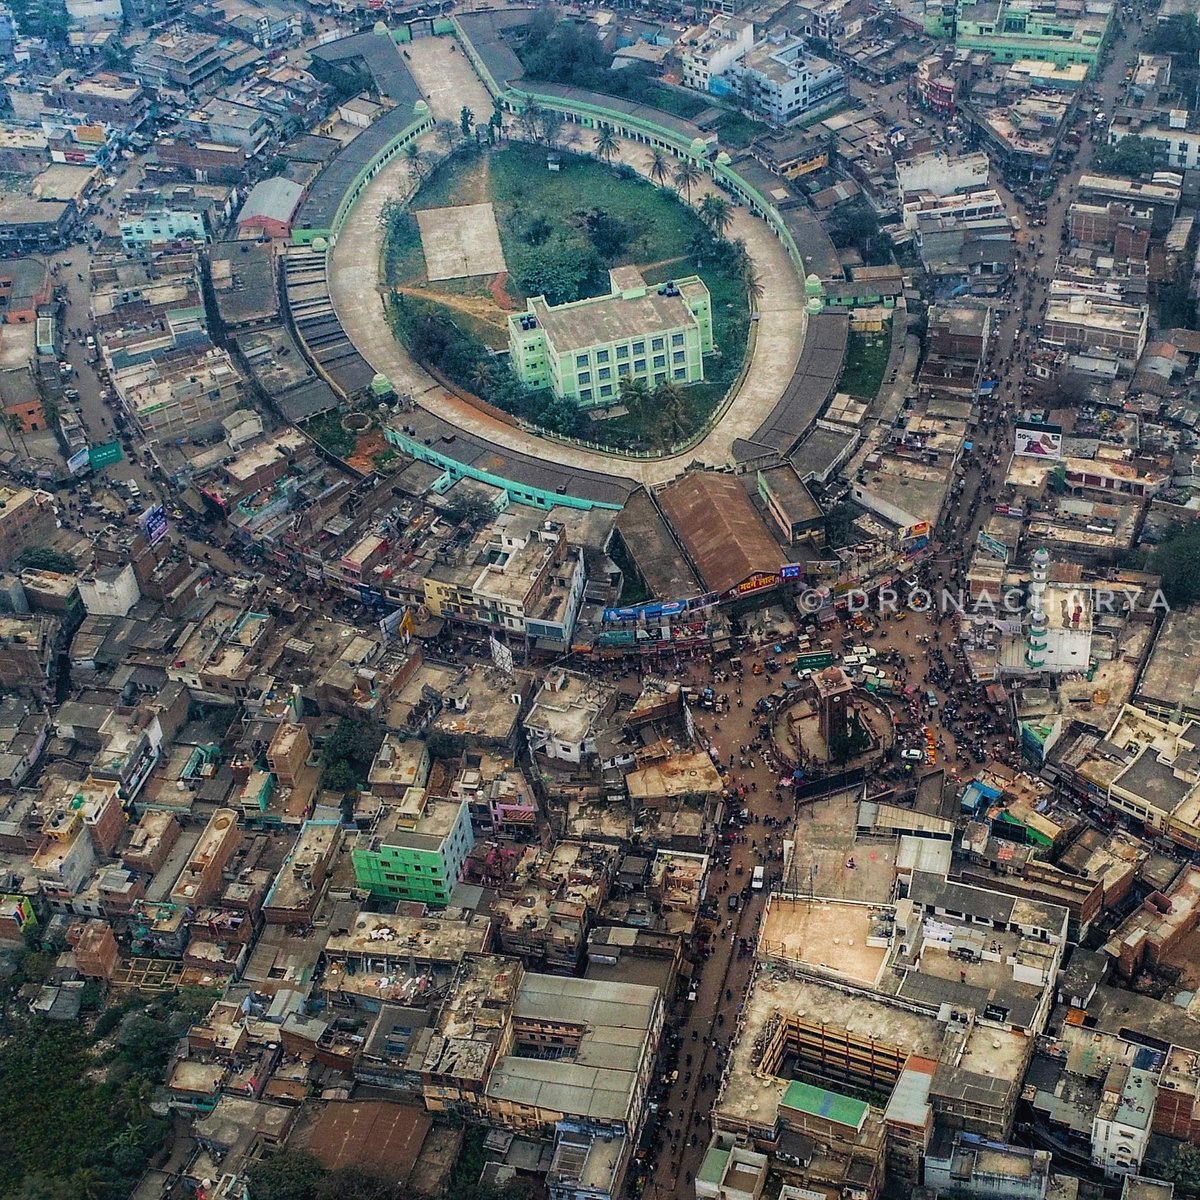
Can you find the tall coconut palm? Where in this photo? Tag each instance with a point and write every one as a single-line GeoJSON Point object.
{"type": "Point", "coordinates": [686, 176]}
{"type": "Point", "coordinates": [717, 213]}
{"type": "Point", "coordinates": [636, 396]}
{"type": "Point", "coordinates": [699, 246]}
{"type": "Point", "coordinates": [660, 168]}
{"type": "Point", "coordinates": [607, 144]}
{"type": "Point", "coordinates": [737, 256]}
{"type": "Point", "coordinates": [752, 287]}
{"type": "Point", "coordinates": [671, 406]}
{"type": "Point", "coordinates": [480, 377]}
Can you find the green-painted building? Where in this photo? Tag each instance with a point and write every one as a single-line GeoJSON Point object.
{"type": "Point", "coordinates": [415, 856]}
{"type": "Point", "coordinates": [1011, 30]}
{"type": "Point", "coordinates": [582, 351]}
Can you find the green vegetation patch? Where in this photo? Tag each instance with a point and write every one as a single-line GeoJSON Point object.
{"type": "Point", "coordinates": [75, 1104]}
{"type": "Point", "coordinates": [866, 362]}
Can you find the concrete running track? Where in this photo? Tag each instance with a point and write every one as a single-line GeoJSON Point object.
{"type": "Point", "coordinates": [448, 81]}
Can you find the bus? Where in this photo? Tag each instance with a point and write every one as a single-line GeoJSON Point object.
{"type": "Point", "coordinates": [756, 881]}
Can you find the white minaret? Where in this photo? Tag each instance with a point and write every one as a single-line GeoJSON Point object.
{"type": "Point", "coordinates": [1035, 637]}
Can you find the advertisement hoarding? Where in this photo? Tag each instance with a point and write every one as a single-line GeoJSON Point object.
{"type": "Point", "coordinates": [105, 455]}
{"type": "Point", "coordinates": [502, 655]}
{"type": "Point", "coordinates": [1038, 441]}
{"type": "Point", "coordinates": [992, 546]}
{"type": "Point", "coordinates": [756, 583]}
{"type": "Point", "coordinates": [154, 524]}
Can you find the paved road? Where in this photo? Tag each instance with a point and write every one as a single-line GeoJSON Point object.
{"type": "Point", "coordinates": [72, 269]}
{"type": "Point", "coordinates": [447, 79]}
{"type": "Point", "coordinates": [676, 1165]}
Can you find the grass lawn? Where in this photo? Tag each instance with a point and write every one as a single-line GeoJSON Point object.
{"type": "Point", "coordinates": [660, 224]}
{"type": "Point", "coordinates": [676, 102]}
{"type": "Point", "coordinates": [866, 361]}
{"type": "Point", "coordinates": [736, 130]}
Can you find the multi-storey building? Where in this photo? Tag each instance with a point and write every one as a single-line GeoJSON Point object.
{"type": "Point", "coordinates": [416, 851]}
{"type": "Point", "coordinates": [786, 82]}
{"type": "Point", "coordinates": [1056, 32]}
{"type": "Point", "coordinates": [716, 49]}
{"type": "Point", "coordinates": [190, 400]}
{"type": "Point", "coordinates": [1173, 132]}
{"type": "Point", "coordinates": [116, 100]}
{"type": "Point", "coordinates": [581, 351]}
{"type": "Point", "coordinates": [161, 227]}
{"type": "Point", "coordinates": [552, 1056]}
{"type": "Point", "coordinates": [1083, 322]}
{"type": "Point", "coordinates": [181, 62]}
{"type": "Point", "coordinates": [27, 517]}
{"type": "Point", "coordinates": [231, 124]}
{"type": "Point", "coordinates": [200, 878]}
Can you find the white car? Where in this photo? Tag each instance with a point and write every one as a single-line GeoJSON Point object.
{"type": "Point", "coordinates": [913, 755]}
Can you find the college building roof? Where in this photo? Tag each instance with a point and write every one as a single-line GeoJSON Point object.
{"type": "Point", "coordinates": [720, 530]}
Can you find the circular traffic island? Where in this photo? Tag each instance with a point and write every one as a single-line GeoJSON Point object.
{"type": "Point", "coordinates": [826, 724]}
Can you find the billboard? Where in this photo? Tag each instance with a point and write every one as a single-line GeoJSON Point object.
{"type": "Point", "coordinates": [1038, 441]}
{"type": "Point", "coordinates": [643, 612]}
{"type": "Point", "coordinates": [502, 655]}
{"type": "Point", "coordinates": [391, 622]}
{"type": "Point", "coordinates": [154, 524]}
{"type": "Point", "coordinates": [791, 570]}
{"type": "Point", "coordinates": [814, 661]}
{"type": "Point", "coordinates": [657, 609]}
{"type": "Point", "coordinates": [105, 455]}
{"type": "Point", "coordinates": [80, 461]}
{"type": "Point", "coordinates": [992, 546]}
{"type": "Point", "coordinates": [919, 530]}
{"type": "Point", "coordinates": [756, 583]}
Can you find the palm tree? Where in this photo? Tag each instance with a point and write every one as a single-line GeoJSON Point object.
{"type": "Point", "coordinates": [752, 286]}
{"type": "Point", "coordinates": [636, 396]}
{"type": "Point", "coordinates": [660, 168]}
{"type": "Point", "coordinates": [717, 213]}
{"type": "Point", "coordinates": [87, 1183]}
{"type": "Point", "coordinates": [737, 256]}
{"type": "Point", "coordinates": [530, 120]}
{"type": "Point", "coordinates": [672, 411]}
{"type": "Point", "coordinates": [480, 378]}
{"type": "Point", "coordinates": [686, 176]}
{"type": "Point", "coordinates": [698, 246]}
{"type": "Point", "coordinates": [606, 144]}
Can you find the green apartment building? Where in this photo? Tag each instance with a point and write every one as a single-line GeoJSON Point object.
{"type": "Point", "coordinates": [581, 351]}
{"type": "Point", "coordinates": [1052, 31]}
{"type": "Point", "coordinates": [418, 856]}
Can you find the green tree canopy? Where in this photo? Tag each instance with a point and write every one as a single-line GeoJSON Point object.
{"type": "Point", "coordinates": [561, 51]}
{"type": "Point", "coordinates": [1177, 560]}
{"type": "Point", "coordinates": [1133, 156]}
{"type": "Point", "coordinates": [292, 1175]}
{"type": "Point", "coordinates": [297, 1175]}
{"type": "Point", "coordinates": [853, 225]}
{"type": "Point", "coordinates": [43, 558]}
{"type": "Point", "coordinates": [561, 269]}
{"type": "Point", "coordinates": [1184, 1170]}
{"type": "Point", "coordinates": [1179, 34]}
